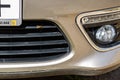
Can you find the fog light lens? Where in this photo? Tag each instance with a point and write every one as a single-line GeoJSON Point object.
{"type": "Point", "coordinates": [105, 34]}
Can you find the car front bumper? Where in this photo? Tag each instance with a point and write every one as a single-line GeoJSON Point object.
{"type": "Point", "coordinates": [83, 58]}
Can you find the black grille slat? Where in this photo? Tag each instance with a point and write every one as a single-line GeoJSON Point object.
{"type": "Point", "coordinates": [32, 52]}
{"type": "Point", "coordinates": [33, 39]}
{"type": "Point", "coordinates": [45, 27]}
{"type": "Point", "coordinates": [34, 47]}
{"type": "Point", "coordinates": [37, 43]}
{"type": "Point", "coordinates": [28, 29]}
{"type": "Point", "coordinates": [33, 35]}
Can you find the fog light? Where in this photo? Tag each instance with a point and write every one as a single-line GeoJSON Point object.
{"type": "Point", "coordinates": [105, 34]}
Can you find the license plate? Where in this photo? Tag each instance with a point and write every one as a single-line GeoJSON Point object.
{"type": "Point", "coordinates": [10, 12]}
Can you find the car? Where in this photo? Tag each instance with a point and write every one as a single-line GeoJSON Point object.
{"type": "Point", "coordinates": [62, 37]}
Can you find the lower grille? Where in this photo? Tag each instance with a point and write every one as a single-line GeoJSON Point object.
{"type": "Point", "coordinates": [33, 40]}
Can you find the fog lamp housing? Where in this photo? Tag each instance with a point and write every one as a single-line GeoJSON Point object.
{"type": "Point", "coordinates": [105, 34]}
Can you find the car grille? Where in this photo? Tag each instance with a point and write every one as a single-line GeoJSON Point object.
{"type": "Point", "coordinates": [33, 40]}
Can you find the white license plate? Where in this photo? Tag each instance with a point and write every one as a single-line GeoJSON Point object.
{"type": "Point", "coordinates": [10, 12]}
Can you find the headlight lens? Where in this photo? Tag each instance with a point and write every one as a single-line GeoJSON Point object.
{"type": "Point", "coordinates": [105, 34]}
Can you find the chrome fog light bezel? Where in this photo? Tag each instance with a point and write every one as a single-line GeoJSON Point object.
{"type": "Point", "coordinates": [105, 20]}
